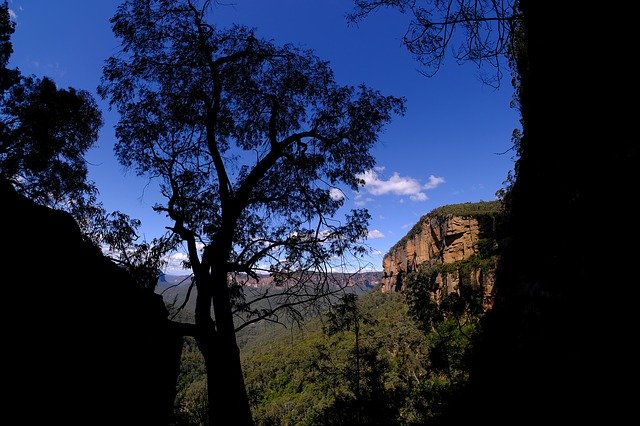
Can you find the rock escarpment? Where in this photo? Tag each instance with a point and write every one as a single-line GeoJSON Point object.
{"type": "Point", "coordinates": [459, 236]}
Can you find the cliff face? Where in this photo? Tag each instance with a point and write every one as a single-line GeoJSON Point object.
{"type": "Point", "coordinates": [445, 236]}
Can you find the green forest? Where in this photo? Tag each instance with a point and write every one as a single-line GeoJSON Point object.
{"type": "Point", "coordinates": [308, 374]}
{"type": "Point", "coordinates": [252, 145]}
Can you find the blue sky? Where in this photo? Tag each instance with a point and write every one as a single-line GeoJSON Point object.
{"type": "Point", "coordinates": [444, 150]}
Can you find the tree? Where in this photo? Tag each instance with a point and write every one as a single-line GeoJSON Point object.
{"type": "Point", "coordinates": [346, 316]}
{"type": "Point", "coordinates": [250, 142]}
{"type": "Point", "coordinates": [487, 27]}
{"type": "Point", "coordinates": [44, 134]}
{"type": "Point", "coordinates": [7, 27]}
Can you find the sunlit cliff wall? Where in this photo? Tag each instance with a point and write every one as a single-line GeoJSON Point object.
{"type": "Point", "coordinates": [447, 235]}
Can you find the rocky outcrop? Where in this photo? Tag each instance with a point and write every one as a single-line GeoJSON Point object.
{"type": "Point", "coordinates": [83, 343]}
{"type": "Point", "coordinates": [445, 236]}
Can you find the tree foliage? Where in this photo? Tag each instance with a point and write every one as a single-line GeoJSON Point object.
{"type": "Point", "coordinates": [44, 134]}
{"type": "Point", "coordinates": [241, 130]}
{"type": "Point", "coordinates": [7, 27]}
{"type": "Point", "coordinates": [143, 260]}
{"type": "Point", "coordinates": [406, 376]}
{"type": "Point", "coordinates": [247, 139]}
{"type": "Point", "coordinates": [479, 31]}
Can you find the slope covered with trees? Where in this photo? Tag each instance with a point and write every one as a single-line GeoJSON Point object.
{"type": "Point", "coordinates": [366, 361]}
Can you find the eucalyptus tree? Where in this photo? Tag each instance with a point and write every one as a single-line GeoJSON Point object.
{"type": "Point", "coordinates": [250, 142]}
{"type": "Point", "coordinates": [483, 32]}
{"type": "Point", "coordinates": [44, 134]}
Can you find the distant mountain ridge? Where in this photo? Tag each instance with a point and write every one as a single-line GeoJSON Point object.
{"type": "Point", "coordinates": [174, 288]}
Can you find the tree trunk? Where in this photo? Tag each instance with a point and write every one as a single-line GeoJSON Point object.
{"type": "Point", "coordinates": [228, 401]}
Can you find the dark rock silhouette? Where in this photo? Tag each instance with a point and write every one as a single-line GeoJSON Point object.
{"type": "Point", "coordinates": [558, 344]}
{"type": "Point", "coordinates": [74, 353]}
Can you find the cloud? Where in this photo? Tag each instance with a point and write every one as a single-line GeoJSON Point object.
{"type": "Point", "coordinates": [360, 200]}
{"type": "Point", "coordinates": [179, 257]}
{"type": "Point", "coordinates": [13, 15]}
{"type": "Point", "coordinates": [434, 182]}
{"type": "Point", "coordinates": [174, 263]}
{"type": "Point", "coordinates": [336, 194]}
{"type": "Point", "coordinates": [375, 234]}
{"type": "Point", "coordinates": [396, 184]}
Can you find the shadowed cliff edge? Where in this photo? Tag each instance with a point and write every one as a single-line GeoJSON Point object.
{"type": "Point", "coordinates": [83, 344]}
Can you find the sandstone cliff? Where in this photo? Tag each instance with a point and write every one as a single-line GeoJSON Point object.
{"type": "Point", "coordinates": [447, 236]}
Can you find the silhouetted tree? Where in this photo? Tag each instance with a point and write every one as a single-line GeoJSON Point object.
{"type": "Point", "coordinates": [7, 27]}
{"type": "Point", "coordinates": [347, 316]}
{"type": "Point", "coordinates": [144, 260]}
{"type": "Point", "coordinates": [480, 31]}
{"type": "Point", "coordinates": [248, 140]}
{"type": "Point", "coordinates": [44, 134]}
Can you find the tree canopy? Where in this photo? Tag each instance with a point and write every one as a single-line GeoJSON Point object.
{"type": "Point", "coordinates": [44, 133]}
{"type": "Point", "coordinates": [252, 143]}
{"type": "Point", "coordinates": [243, 131]}
{"type": "Point", "coordinates": [480, 31]}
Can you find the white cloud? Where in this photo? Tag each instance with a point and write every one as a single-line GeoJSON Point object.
{"type": "Point", "coordinates": [375, 234]}
{"type": "Point", "coordinates": [434, 182]}
{"type": "Point", "coordinates": [179, 257]}
{"type": "Point", "coordinates": [396, 184]}
{"type": "Point", "coordinates": [379, 169]}
{"type": "Point", "coordinates": [13, 15]}
{"type": "Point", "coordinates": [360, 200]}
{"type": "Point", "coordinates": [336, 194]}
{"type": "Point", "coordinates": [174, 263]}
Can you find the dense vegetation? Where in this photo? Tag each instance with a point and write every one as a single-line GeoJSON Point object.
{"type": "Point", "coordinates": [401, 371]}
{"type": "Point", "coordinates": [480, 208]}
